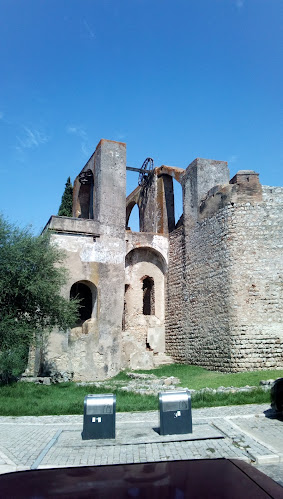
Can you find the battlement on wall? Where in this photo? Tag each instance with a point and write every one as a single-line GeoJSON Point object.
{"type": "Point", "coordinates": [244, 187]}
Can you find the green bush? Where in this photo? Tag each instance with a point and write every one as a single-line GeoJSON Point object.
{"type": "Point", "coordinates": [30, 299]}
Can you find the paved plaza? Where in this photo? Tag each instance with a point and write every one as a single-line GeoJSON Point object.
{"type": "Point", "coordinates": [250, 432]}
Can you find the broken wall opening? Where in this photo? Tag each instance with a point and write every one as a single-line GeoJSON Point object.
{"type": "Point", "coordinates": [85, 196]}
{"type": "Point", "coordinates": [87, 294]}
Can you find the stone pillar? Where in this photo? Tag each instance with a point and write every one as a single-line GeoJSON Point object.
{"type": "Point", "coordinates": [157, 205]}
{"type": "Point", "coordinates": [110, 186]}
{"type": "Point", "coordinates": [200, 176]}
{"type": "Point", "coordinates": [110, 212]}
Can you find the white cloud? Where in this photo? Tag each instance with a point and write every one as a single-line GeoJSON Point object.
{"type": "Point", "coordinates": [239, 3]}
{"type": "Point", "coordinates": [31, 138]}
{"type": "Point", "coordinates": [120, 135]}
{"type": "Point", "coordinates": [1, 115]}
{"type": "Point", "coordinates": [81, 133]}
{"type": "Point", "coordinates": [88, 29]}
{"type": "Point", "coordinates": [233, 159]}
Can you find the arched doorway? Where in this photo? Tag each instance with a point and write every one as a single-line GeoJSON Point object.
{"type": "Point", "coordinates": [144, 310]}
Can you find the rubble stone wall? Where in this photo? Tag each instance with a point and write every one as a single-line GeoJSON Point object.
{"type": "Point", "coordinates": [174, 321]}
{"type": "Point", "coordinates": [256, 247]}
{"type": "Point", "coordinates": [207, 293]}
{"type": "Point", "coordinates": [233, 297]}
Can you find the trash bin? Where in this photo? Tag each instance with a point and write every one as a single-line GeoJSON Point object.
{"type": "Point", "coordinates": [276, 394]}
{"type": "Point", "coordinates": [175, 411]}
{"type": "Point", "coordinates": [99, 416]}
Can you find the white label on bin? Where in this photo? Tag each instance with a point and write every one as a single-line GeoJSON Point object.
{"type": "Point", "coordinates": [177, 414]}
{"type": "Point", "coordinates": [96, 420]}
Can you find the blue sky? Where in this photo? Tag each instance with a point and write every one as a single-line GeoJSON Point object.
{"type": "Point", "coordinates": [175, 80]}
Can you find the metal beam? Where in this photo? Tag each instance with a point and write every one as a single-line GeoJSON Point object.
{"type": "Point", "coordinates": [139, 170]}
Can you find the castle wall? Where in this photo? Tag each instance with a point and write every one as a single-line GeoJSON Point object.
{"type": "Point", "coordinates": [233, 295]}
{"type": "Point", "coordinates": [207, 294]}
{"type": "Point", "coordinates": [256, 243]}
{"type": "Point", "coordinates": [174, 321]}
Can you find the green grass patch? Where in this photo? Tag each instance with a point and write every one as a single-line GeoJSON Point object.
{"type": "Point", "coordinates": [28, 399]}
{"type": "Point", "coordinates": [257, 396]}
{"type": "Point", "coordinates": [195, 377]}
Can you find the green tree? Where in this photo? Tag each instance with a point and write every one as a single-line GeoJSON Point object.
{"type": "Point", "coordinates": [66, 206]}
{"type": "Point", "coordinates": [31, 277]}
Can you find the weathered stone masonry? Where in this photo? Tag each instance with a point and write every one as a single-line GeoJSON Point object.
{"type": "Point", "coordinates": [206, 290]}
{"type": "Point", "coordinates": [175, 310]}
{"type": "Point", "coordinates": [233, 287]}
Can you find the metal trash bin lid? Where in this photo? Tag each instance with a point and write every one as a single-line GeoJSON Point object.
{"type": "Point", "coordinates": [175, 401]}
{"type": "Point", "coordinates": [100, 404]}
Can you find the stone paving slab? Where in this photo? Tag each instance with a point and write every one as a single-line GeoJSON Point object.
{"type": "Point", "coordinates": [258, 426]}
{"type": "Point", "coordinates": [206, 413]}
{"type": "Point", "coordinates": [250, 447]}
{"type": "Point", "coordinates": [241, 432]}
{"type": "Point", "coordinates": [21, 444]}
{"type": "Point", "coordinates": [128, 433]}
{"type": "Point", "coordinates": [76, 454]}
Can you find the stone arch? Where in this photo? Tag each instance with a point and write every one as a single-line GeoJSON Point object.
{"type": "Point", "coordinates": [86, 291]}
{"type": "Point", "coordinates": [144, 332]}
{"type": "Point", "coordinates": [129, 208]}
{"type": "Point", "coordinates": [148, 253]}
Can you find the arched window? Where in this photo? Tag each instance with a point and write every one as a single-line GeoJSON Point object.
{"type": "Point", "coordinates": [84, 293]}
{"type": "Point", "coordinates": [133, 218]}
{"type": "Point", "coordinates": [148, 296]}
{"type": "Point", "coordinates": [178, 200]}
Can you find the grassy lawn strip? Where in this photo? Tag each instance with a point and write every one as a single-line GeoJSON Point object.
{"type": "Point", "coordinates": [37, 400]}
{"type": "Point", "coordinates": [194, 377]}
{"type": "Point", "coordinates": [27, 399]}
{"type": "Point", "coordinates": [24, 399]}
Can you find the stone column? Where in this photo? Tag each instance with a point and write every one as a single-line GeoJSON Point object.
{"type": "Point", "coordinates": [200, 176]}
{"type": "Point", "coordinates": [110, 213]}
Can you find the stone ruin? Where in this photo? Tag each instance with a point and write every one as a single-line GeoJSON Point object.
{"type": "Point", "coordinates": [204, 290]}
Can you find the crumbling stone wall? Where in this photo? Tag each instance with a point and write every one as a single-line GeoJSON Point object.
{"type": "Point", "coordinates": [217, 275]}
{"type": "Point", "coordinates": [95, 255]}
{"type": "Point", "coordinates": [144, 334]}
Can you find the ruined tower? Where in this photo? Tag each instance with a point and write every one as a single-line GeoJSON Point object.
{"type": "Point", "coordinates": [205, 289]}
